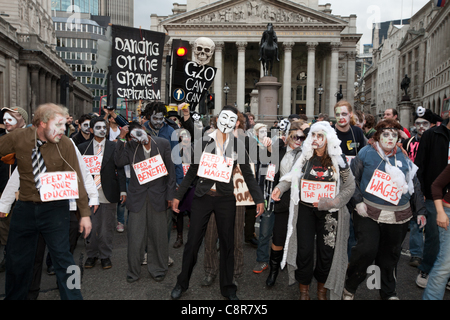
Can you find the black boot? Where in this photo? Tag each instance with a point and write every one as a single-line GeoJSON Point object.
{"type": "Point", "coordinates": [274, 263]}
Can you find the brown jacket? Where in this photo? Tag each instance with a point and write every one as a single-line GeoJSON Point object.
{"type": "Point", "coordinates": [21, 142]}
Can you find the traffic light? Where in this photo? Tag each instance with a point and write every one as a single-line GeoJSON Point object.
{"type": "Point", "coordinates": [210, 100]}
{"type": "Point", "coordinates": [180, 54]}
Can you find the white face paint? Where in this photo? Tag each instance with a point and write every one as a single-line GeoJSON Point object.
{"type": "Point", "coordinates": [100, 129]}
{"type": "Point", "coordinates": [388, 139]}
{"type": "Point", "coordinates": [319, 139]}
{"type": "Point", "coordinates": [297, 139]}
{"type": "Point", "coordinates": [422, 125]}
{"type": "Point", "coordinates": [185, 138]}
{"type": "Point", "coordinates": [342, 116]}
{"type": "Point", "coordinates": [9, 121]}
{"type": "Point", "coordinates": [55, 129]}
{"type": "Point", "coordinates": [139, 136]}
{"type": "Point", "coordinates": [157, 120]}
{"type": "Point", "coordinates": [262, 133]}
{"type": "Point", "coordinates": [226, 121]}
{"type": "Point", "coordinates": [85, 126]}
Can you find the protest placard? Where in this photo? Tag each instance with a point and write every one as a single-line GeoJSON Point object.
{"type": "Point", "coordinates": [241, 192]}
{"type": "Point", "coordinates": [59, 185]}
{"type": "Point", "coordinates": [136, 63]}
{"type": "Point", "coordinates": [198, 79]}
{"type": "Point", "coordinates": [311, 191]}
{"type": "Point", "coordinates": [382, 186]}
{"type": "Point", "coordinates": [150, 169]}
{"type": "Point", "coordinates": [186, 167]}
{"type": "Point", "coordinates": [217, 168]}
{"type": "Point", "coordinates": [93, 163]}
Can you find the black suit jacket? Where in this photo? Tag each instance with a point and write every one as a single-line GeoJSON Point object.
{"type": "Point", "coordinates": [159, 191]}
{"type": "Point", "coordinates": [112, 177]}
{"type": "Point", "coordinates": [235, 147]}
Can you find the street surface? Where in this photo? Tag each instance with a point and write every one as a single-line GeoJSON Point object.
{"type": "Point", "coordinates": [99, 284]}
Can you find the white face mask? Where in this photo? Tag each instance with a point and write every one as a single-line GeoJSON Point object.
{"type": "Point", "coordinates": [55, 128]}
{"type": "Point", "coordinates": [226, 121]}
{"type": "Point", "coordinates": [388, 139]}
{"type": "Point", "coordinates": [100, 129]}
{"type": "Point", "coordinates": [319, 139]}
{"type": "Point", "coordinates": [85, 126]}
{"type": "Point", "coordinates": [139, 136]}
{"type": "Point", "coordinates": [9, 119]}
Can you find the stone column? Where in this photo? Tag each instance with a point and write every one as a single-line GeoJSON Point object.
{"type": "Point", "coordinates": [35, 89]}
{"type": "Point", "coordinates": [218, 80]}
{"type": "Point", "coordinates": [311, 79]}
{"type": "Point", "coordinates": [42, 96]}
{"type": "Point", "coordinates": [333, 77]}
{"type": "Point", "coordinates": [351, 67]}
{"type": "Point", "coordinates": [287, 79]}
{"type": "Point", "coordinates": [53, 85]}
{"type": "Point", "coordinates": [240, 98]}
{"type": "Point", "coordinates": [48, 88]}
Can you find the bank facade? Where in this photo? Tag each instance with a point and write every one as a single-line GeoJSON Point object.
{"type": "Point", "coordinates": [316, 49]}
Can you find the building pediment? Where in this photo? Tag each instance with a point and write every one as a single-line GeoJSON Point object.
{"type": "Point", "coordinates": [254, 12]}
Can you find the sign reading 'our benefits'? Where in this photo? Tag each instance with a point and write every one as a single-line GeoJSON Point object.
{"type": "Point", "coordinates": [150, 169]}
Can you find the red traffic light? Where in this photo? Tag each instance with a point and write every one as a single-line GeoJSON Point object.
{"type": "Point", "coordinates": [210, 97]}
{"type": "Point", "coordinates": [181, 51]}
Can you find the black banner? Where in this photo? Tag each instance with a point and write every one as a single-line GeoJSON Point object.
{"type": "Point", "coordinates": [198, 79]}
{"type": "Point", "coordinates": [136, 63]}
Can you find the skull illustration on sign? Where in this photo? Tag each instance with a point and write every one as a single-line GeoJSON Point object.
{"type": "Point", "coordinates": [203, 50]}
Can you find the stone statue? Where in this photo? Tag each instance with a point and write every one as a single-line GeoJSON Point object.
{"type": "Point", "coordinates": [268, 49]}
{"type": "Point", "coordinates": [405, 85]}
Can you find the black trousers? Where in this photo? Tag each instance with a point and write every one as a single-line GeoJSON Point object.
{"type": "Point", "coordinates": [314, 225]}
{"type": "Point", "coordinates": [378, 244]}
{"type": "Point", "coordinates": [224, 208]}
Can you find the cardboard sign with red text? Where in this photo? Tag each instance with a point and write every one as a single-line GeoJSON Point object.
{"type": "Point", "coordinates": [350, 158]}
{"type": "Point", "coordinates": [312, 191]}
{"type": "Point", "coordinates": [270, 175]}
{"type": "Point", "coordinates": [241, 192]}
{"type": "Point", "coordinates": [59, 185]}
{"type": "Point", "coordinates": [150, 169]}
{"type": "Point", "coordinates": [93, 163]}
{"type": "Point", "coordinates": [215, 167]}
{"type": "Point", "coordinates": [185, 168]}
{"type": "Point", "coordinates": [381, 186]}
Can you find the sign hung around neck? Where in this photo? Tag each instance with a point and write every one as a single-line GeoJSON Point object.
{"type": "Point", "coordinates": [136, 63]}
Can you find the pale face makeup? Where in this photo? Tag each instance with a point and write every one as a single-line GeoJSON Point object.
{"type": "Point", "coordinates": [100, 129]}
{"type": "Point", "coordinates": [318, 139]}
{"type": "Point", "coordinates": [388, 139]}
{"type": "Point", "coordinates": [185, 138]}
{"type": "Point", "coordinates": [422, 125]}
{"type": "Point", "coordinates": [226, 121]}
{"type": "Point", "coordinates": [262, 133]}
{"type": "Point", "coordinates": [55, 128]}
{"type": "Point", "coordinates": [342, 116]}
{"type": "Point", "coordinates": [85, 126]}
{"type": "Point", "coordinates": [9, 121]}
{"type": "Point", "coordinates": [297, 139]}
{"type": "Point", "coordinates": [157, 120]}
{"type": "Point", "coordinates": [139, 136]}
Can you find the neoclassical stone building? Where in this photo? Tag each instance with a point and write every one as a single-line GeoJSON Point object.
{"type": "Point", "coordinates": [316, 48]}
{"type": "Point", "coordinates": [30, 69]}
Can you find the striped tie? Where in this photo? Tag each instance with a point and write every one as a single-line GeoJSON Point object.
{"type": "Point", "coordinates": [38, 163]}
{"type": "Point", "coordinates": [97, 180]}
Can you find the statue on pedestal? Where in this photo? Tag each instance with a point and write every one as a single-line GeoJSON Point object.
{"type": "Point", "coordinates": [268, 50]}
{"type": "Point", "coordinates": [405, 86]}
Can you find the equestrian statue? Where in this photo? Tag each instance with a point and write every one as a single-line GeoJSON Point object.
{"type": "Point", "coordinates": [268, 49]}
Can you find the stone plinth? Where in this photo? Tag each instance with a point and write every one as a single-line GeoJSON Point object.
{"type": "Point", "coordinates": [406, 109]}
{"type": "Point", "coordinates": [268, 87]}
